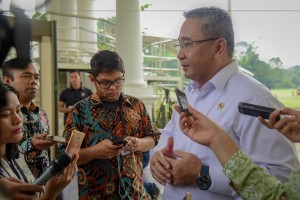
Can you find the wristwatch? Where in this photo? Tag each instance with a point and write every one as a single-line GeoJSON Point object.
{"type": "Point", "coordinates": [203, 180]}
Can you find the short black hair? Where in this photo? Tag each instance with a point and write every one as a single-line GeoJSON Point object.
{"type": "Point", "coordinates": [75, 70]}
{"type": "Point", "coordinates": [15, 63]}
{"type": "Point", "coordinates": [106, 61]}
{"type": "Point", "coordinates": [11, 148]}
{"type": "Point", "coordinates": [216, 23]}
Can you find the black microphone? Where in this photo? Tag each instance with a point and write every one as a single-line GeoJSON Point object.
{"type": "Point", "coordinates": [57, 166]}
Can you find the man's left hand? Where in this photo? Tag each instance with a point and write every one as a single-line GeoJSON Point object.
{"type": "Point", "coordinates": [185, 170]}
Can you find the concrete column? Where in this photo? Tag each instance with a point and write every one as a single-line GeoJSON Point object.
{"type": "Point", "coordinates": [66, 25]}
{"type": "Point", "coordinates": [129, 46]}
{"type": "Point", "coordinates": [87, 26]}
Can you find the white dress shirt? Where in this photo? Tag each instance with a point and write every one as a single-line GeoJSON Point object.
{"type": "Point", "coordinates": [219, 99]}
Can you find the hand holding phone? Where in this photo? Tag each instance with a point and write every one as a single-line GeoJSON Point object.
{"type": "Point", "coordinates": [256, 110]}
{"type": "Point", "coordinates": [182, 100]}
{"type": "Point", "coordinates": [55, 138]}
{"type": "Point", "coordinates": [120, 140]}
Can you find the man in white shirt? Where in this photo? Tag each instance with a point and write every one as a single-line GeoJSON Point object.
{"type": "Point", "coordinates": [206, 46]}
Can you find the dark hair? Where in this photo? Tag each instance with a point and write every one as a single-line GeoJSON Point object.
{"type": "Point", "coordinates": [16, 63]}
{"type": "Point", "coordinates": [216, 23]}
{"type": "Point", "coordinates": [106, 61]}
{"type": "Point", "coordinates": [11, 148]}
{"type": "Point", "coordinates": [75, 70]}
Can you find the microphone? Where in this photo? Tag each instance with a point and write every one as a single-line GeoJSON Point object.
{"type": "Point", "coordinates": [57, 166]}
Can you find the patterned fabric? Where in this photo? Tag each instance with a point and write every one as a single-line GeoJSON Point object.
{"type": "Point", "coordinates": [17, 168]}
{"type": "Point", "coordinates": [99, 178]}
{"type": "Point", "coordinates": [35, 121]}
{"type": "Point", "coordinates": [254, 183]}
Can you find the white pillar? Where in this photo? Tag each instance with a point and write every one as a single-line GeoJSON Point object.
{"type": "Point", "coordinates": [66, 25]}
{"type": "Point", "coordinates": [129, 46]}
{"type": "Point", "coordinates": [87, 26]}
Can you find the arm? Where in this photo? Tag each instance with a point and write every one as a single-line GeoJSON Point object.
{"type": "Point", "coordinates": [146, 136]}
{"type": "Point", "coordinates": [103, 150]}
{"type": "Point", "coordinates": [251, 181]}
{"type": "Point", "coordinates": [62, 108]}
{"type": "Point", "coordinates": [20, 190]}
{"type": "Point", "coordinates": [247, 178]}
{"type": "Point", "coordinates": [56, 184]}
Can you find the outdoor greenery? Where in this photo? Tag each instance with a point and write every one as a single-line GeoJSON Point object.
{"type": "Point", "coordinates": [271, 74]}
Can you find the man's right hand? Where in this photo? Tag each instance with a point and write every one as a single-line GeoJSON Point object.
{"type": "Point", "coordinates": [159, 165]}
{"type": "Point", "coordinates": [40, 144]}
{"type": "Point", "coordinates": [289, 125]}
{"type": "Point", "coordinates": [106, 150]}
{"type": "Point", "coordinates": [20, 190]}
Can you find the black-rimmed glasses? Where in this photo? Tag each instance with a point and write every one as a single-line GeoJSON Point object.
{"type": "Point", "coordinates": [107, 84]}
{"type": "Point", "coordinates": [188, 44]}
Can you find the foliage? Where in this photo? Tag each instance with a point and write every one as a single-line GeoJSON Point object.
{"type": "Point", "coordinates": [39, 16]}
{"type": "Point", "coordinates": [143, 7]}
{"type": "Point", "coordinates": [271, 74]}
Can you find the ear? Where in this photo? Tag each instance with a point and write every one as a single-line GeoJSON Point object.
{"type": "Point", "coordinates": [7, 80]}
{"type": "Point", "coordinates": [221, 46]}
{"type": "Point", "coordinates": [92, 79]}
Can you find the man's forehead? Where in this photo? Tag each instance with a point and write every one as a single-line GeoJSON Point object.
{"type": "Point", "coordinates": [30, 69]}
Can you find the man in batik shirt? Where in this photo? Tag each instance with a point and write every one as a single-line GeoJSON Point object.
{"type": "Point", "coordinates": [24, 77]}
{"type": "Point", "coordinates": [108, 171]}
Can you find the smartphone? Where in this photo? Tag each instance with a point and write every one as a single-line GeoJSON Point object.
{"type": "Point", "coordinates": [120, 140]}
{"type": "Point", "coordinates": [256, 110]}
{"type": "Point", "coordinates": [75, 142]}
{"type": "Point", "coordinates": [182, 100]}
{"type": "Point", "coordinates": [55, 138]}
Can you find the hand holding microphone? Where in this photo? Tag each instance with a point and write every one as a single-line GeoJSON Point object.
{"type": "Point", "coordinates": [56, 167]}
{"type": "Point", "coordinates": [57, 183]}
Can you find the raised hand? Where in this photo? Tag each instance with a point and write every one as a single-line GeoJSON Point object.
{"type": "Point", "coordinates": [288, 125]}
{"type": "Point", "coordinates": [197, 126]}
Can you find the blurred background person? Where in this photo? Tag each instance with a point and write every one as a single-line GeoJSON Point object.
{"type": "Point", "coordinates": [71, 95]}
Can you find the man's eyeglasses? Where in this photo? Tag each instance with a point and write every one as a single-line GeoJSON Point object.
{"type": "Point", "coordinates": [107, 84]}
{"type": "Point", "coordinates": [187, 45]}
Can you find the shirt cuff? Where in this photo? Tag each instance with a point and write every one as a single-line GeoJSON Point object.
{"type": "Point", "coordinates": [238, 167]}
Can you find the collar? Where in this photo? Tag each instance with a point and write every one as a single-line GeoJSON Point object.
{"type": "Point", "coordinates": [81, 88]}
{"type": "Point", "coordinates": [220, 79]}
{"type": "Point", "coordinates": [96, 101]}
{"type": "Point", "coordinates": [33, 107]}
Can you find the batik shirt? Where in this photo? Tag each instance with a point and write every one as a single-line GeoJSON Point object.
{"type": "Point", "coordinates": [99, 178]}
{"type": "Point", "coordinates": [254, 183]}
{"type": "Point", "coordinates": [35, 121]}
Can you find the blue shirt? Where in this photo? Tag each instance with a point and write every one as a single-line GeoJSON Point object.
{"type": "Point", "coordinates": [219, 99]}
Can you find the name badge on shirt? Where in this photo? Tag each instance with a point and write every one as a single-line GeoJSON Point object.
{"type": "Point", "coordinates": [221, 105]}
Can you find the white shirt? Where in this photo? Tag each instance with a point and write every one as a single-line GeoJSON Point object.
{"type": "Point", "coordinates": [219, 99]}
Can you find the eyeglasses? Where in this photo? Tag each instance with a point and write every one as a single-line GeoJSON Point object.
{"type": "Point", "coordinates": [107, 84]}
{"type": "Point", "coordinates": [187, 45]}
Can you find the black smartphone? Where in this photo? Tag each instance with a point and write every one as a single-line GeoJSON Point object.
{"type": "Point", "coordinates": [120, 140]}
{"type": "Point", "coordinates": [182, 100]}
{"type": "Point", "coordinates": [256, 110]}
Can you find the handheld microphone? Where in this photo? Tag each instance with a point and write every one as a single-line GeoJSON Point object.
{"type": "Point", "coordinates": [57, 166]}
